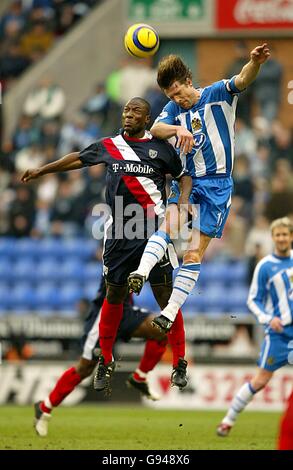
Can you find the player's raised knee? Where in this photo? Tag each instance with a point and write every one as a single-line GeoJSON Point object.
{"type": "Point", "coordinates": [191, 257]}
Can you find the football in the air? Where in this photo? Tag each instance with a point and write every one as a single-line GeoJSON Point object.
{"type": "Point", "coordinates": [141, 40]}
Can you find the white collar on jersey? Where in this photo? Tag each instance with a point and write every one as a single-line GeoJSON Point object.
{"type": "Point", "coordinates": [147, 135]}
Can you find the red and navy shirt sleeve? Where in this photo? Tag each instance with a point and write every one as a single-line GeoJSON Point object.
{"type": "Point", "coordinates": [171, 162]}
{"type": "Point", "coordinates": [94, 154]}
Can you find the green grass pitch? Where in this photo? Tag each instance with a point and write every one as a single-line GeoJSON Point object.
{"type": "Point", "coordinates": [110, 428]}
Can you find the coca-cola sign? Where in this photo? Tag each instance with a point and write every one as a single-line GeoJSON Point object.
{"type": "Point", "coordinates": [256, 14]}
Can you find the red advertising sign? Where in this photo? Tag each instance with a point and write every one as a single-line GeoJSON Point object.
{"type": "Point", "coordinates": [254, 14]}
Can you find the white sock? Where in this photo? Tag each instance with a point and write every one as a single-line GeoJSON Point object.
{"type": "Point", "coordinates": [154, 251]}
{"type": "Point", "coordinates": [142, 375]}
{"type": "Point", "coordinates": [183, 285]}
{"type": "Point", "coordinates": [240, 401]}
{"type": "Point", "coordinates": [47, 403]}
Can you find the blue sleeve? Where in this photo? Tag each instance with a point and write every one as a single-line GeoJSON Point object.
{"type": "Point", "coordinates": [231, 87]}
{"type": "Point", "coordinates": [224, 90]}
{"type": "Point", "coordinates": [168, 114]}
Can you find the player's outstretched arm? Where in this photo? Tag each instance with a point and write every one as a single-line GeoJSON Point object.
{"type": "Point", "coordinates": [67, 163]}
{"type": "Point", "coordinates": [249, 72]}
{"type": "Point", "coordinates": [165, 131]}
{"type": "Point", "coordinates": [161, 130]}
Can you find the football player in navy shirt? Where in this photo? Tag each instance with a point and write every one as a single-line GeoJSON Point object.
{"type": "Point", "coordinates": [137, 164]}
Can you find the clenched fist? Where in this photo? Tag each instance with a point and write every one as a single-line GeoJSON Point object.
{"type": "Point", "coordinates": [30, 175]}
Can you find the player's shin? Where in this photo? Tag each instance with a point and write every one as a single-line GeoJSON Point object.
{"type": "Point", "coordinates": [176, 338]}
{"type": "Point", "coordinates": [153, 252]}
{"type": "Point", "coordinates": [183, 285]}
{"type": "Point", "coordinates": [153, 352]}
{"type": "Point", "coordinates": [64, 386]}
{"type": "Point", "coordinates": [111, 315]}
{"type": "Point", "coordinates": [240, 401]}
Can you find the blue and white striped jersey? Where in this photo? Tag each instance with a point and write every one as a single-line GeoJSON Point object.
{"type": "Point", "coordinates": [211, 121]}
{"type": "Point", "coordinates": [271, 291]}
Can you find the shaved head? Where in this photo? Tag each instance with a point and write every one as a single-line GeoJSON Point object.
{"type": "Point", "coordinates": [142, 102]}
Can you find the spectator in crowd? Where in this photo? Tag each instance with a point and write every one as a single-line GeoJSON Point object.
{"type": "Point", "coordinates": [245, 140]}
{"type": "Point", "coordinates": [64, 216]}
{"type": "Point", "coordinates": [47, 189]}
{"type": "Point", "coordinates": [243, 186]}
{"type": "Point", "coordinates": [98, 103]}
{"type": "Point", "coordinates": [15, 14]}
{"type": "Point", "coordinates": [101, 108]}
{"type": "Point", "coordinates": [21, 212]}
{"type": "Point", "coordinates": [13, 62]}
{"type": "Point", "coordinates": [235, 231]}
{"type": "Point", "coordinates": [39, 39]}
{"type": "Point", "coordinates": [281, 143]}
{"type": "Point", "coordinates": [280, 203]}
{"type": "Point", "coordinates": [260, 163]}
{"type": "Point", "coordinates": [258, 243]}
{"type": "Point", "coordinates": [42, 222]}
{"type": "Point", "coordinates": [259, 235]}
{"type": "Point", "coordinates": [7, 156]}
{"type": "Point", "coordinates": [49, 134]}
{"type": "Point", "coordinates": [12, 35]}
{"type": "Point", "coordinates": [75, 135]}
{"type": "Point", "coordinates": [25, 133]}
{"type": "Point", "coordinates": [94, 189]}
{"type": "Point", "coordinates": [46, 100]}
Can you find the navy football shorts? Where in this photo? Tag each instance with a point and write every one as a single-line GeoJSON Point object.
{"type": "Point", "coordinates": [123, 258]}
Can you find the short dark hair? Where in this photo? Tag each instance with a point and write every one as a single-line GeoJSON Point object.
{"type": "Point", "coordinates": [145, 103]}
{"type": "Point", "coordinates": [171, 69]}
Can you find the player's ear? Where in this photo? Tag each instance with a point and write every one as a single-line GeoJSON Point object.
{"type": "Point", "coordinates": [147, 119]}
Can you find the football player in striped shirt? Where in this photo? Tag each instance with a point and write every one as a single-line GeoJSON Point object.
{"type": "Point", "coordinates": [271, 301]}
{"type": "Point", "coordinates": [202, 121]}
